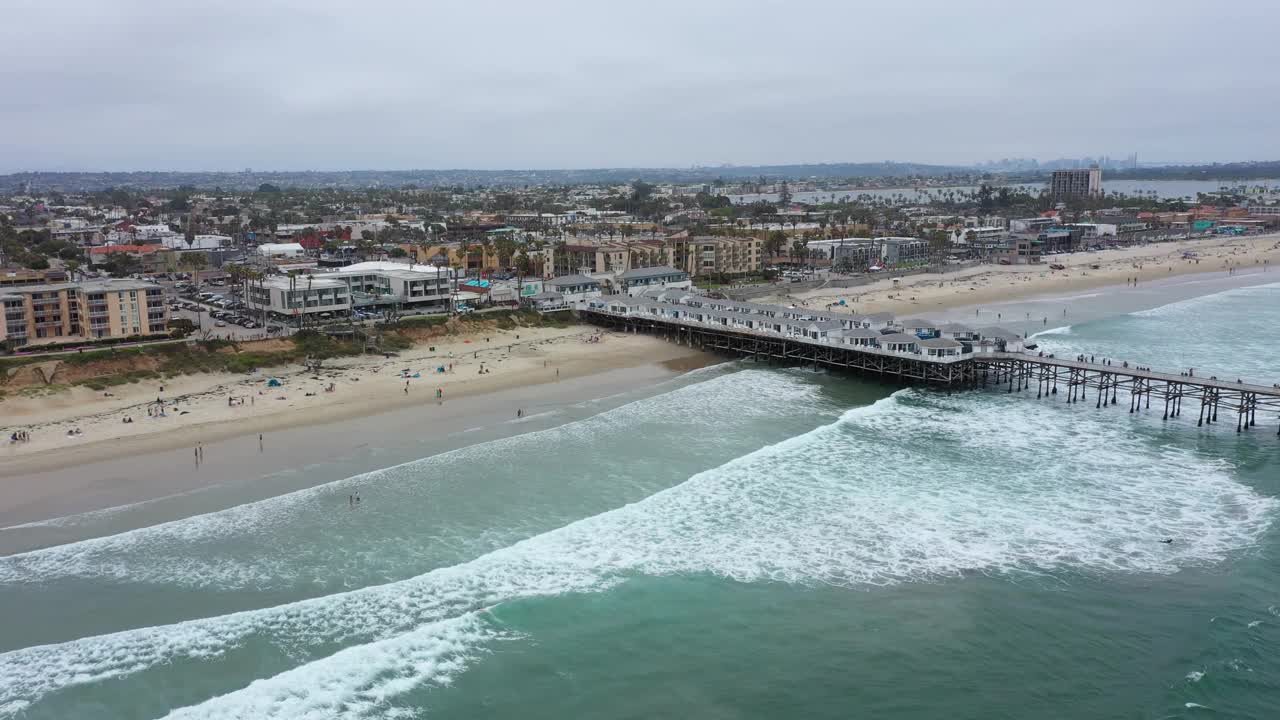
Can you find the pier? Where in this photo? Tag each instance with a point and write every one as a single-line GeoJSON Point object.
{"type": "Point", "coordinates": [1073, 381]}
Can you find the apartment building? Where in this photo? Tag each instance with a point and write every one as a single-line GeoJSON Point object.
{"type": "Point", "coordinates": [712, 255]}
{"type": "Point", "coordinates": [1067, 184]}
{"type": "Point", "coordinates": [87, 310]}
{"type": "Point", "coordinates": [903, 250]}
{"type": "Point", "coordinates": [592, 258]}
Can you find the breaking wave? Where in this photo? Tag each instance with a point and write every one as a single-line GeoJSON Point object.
{"type": "Point", "coordinates": [915, 488]}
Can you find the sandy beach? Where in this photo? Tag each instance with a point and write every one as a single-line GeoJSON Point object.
{"type": "Point", "coordinates": [206, 408]}
{"type": "Point", "coordinates": [919, 295]}
{"type": "Point", "coordinates": [487, 379]}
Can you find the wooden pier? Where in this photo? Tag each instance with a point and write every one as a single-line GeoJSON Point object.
{"type": "Point", "coordinates": [1074, 381]}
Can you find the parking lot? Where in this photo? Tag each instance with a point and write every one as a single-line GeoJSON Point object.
{"type": "Point", "coordinates": [219, 310]}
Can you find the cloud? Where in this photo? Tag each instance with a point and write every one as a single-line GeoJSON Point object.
{"type": "Point", "coordinates": [141, 84]}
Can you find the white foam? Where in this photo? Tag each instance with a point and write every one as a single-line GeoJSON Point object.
{"type": "Point", "coordinates": [1195, 676]}
{"type": "Point", "coordinates": [358, 681]}
{"type": "Point", "coordinates": [904, 490]}
{"type": "Point", "coordinates": [253, 545]}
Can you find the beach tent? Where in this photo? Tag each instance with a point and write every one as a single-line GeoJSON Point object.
{"type": "Point", "coordinates": [273, 383]}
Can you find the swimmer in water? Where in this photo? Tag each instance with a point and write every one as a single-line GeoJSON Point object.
{"type": "Point", "coordinates": [1167, 541]}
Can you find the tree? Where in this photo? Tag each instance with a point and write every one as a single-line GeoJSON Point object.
{"type": "Point", "coordinates": [193, 262]}
{"type": "Point", "coordinates": [939, 245]}
{"type": "Point", "coordinates": [797, 249]}
{"type": "Point", "coordinates": [268, 188]}
{"type": "Point", "coordinates": [775, 242]}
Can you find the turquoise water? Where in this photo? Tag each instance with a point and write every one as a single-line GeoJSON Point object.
{"type": "Point", "coordinates": [747, 543]}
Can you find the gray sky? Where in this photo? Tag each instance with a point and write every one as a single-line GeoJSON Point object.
{"type": "Point", "coordinates": [322, 84]}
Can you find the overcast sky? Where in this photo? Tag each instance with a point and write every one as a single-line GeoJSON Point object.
{"type": "Point", "coordinates": [322, 84]}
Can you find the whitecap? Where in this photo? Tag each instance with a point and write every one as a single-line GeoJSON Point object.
{"type": "Point", "coordinates": [826, 507]}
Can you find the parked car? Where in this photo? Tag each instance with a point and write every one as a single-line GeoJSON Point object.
{"type": "Point", "coordinates": [219, 324]}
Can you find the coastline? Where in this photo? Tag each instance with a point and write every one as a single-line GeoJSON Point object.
{"type": "Point", "coordinates": [367, 423]}
{"type": "Point", "coordinates": [112, 463]}
{"type": "Point", "coordinates": [198, 409]}
{"type": "Point", "coordinates": [931, 294]}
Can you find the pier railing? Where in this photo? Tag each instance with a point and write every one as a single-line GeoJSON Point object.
{"type": "Point", "coordinates": [1076, 381]}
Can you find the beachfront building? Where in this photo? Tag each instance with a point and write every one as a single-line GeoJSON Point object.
{"type": "Point", "coordinates": [663, 277]}
{"type": "Point", "coordinates": [899, 342]}
{"type": "Point", "coordinates": [546, 301]}
{"type": "Point", "coordinates": [387, 284]}
{"type": "Point", "coordinates": [92, 310]}
{"type": "Point", "coordinates": [1071, 184]}
{"type": "Point", "coordinates": [299, 295]}
{"type": "Point", "coordinates": [854, 253]}
{"type": "Point", "coordinates": [898, 251]}
{"type": "Point", "coordinates": [983, 241]}
{"type": "Point", "coordinates": [940, 347]}
{"type": "Point", "coordinates": [919, 328]}
{"type": "Point", "coordinates": [1000, 339]}
{"type": "Point", "coordinates": [956, 331]}
{"type": "Point", "coordinates": [575, 289]}
{"type": "Point", "coordinates": [861, 337]}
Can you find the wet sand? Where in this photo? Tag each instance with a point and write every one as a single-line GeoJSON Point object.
{"type": "Point", "coordinates": [298, 450]}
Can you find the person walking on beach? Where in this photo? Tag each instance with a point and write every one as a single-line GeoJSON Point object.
{"type": "Point", "coordinates": [259, 442]}
{"type": "Point", "coordinates": [519, 412]}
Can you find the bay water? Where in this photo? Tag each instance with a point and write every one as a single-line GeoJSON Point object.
{"type": "Point", "coordinates": [746, 542]}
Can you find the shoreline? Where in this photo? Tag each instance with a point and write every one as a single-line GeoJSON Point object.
{"type": "Point", "coordinates": [198, 408]}
{"type": "Point", "coordinates": [538, 371]}
{"type": "Point", "coordinates": [153, 485]}
{"type": "Point", "coordinates": [929, 295]}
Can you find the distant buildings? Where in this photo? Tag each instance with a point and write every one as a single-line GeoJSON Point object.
{"type": "Point", "coordinates": [1072, 184]}
{"type": "Point", "coordinates": [88, 310]}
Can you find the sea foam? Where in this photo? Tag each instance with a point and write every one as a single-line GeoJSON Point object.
{"type": "Point", "coordinates": [916, 488]}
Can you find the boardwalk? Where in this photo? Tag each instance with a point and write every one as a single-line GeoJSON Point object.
{"type": "Point", "coordinates": [1074, 381]}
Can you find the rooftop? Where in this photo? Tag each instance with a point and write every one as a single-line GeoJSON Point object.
{"type": "Point", "coordinates": [572, 280]}
{"type": "Point", "coordinates": [86, 286]}
{"type": "Point", "coordinates": [648, 272]}
{"type": "Point", "coordinates": [939, 343]}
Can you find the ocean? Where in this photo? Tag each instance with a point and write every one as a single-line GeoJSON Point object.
{"type": "Point", "coordinates": [742, 542]}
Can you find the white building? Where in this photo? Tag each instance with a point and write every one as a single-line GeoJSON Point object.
{"type": "Point", "coordinates": [281, 250]}
{"type": "Point", "coordinates": [391, 283]}
{"type": "Point", "coordinates": [300, 295]}
{"type": "Point", "coordinates": [635, 281]}
{"type": "Point", "coordinates": [576, 289]}
{"type": "Point", "coordinates": [940, 347]}
{"type": "Point", "coordinates": [899, 250]}
{"type": "Point", "coordinates": [199, 242]}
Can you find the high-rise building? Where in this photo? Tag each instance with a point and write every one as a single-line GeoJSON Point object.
{"type": "Point", "coordinates": [1067, 184]}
